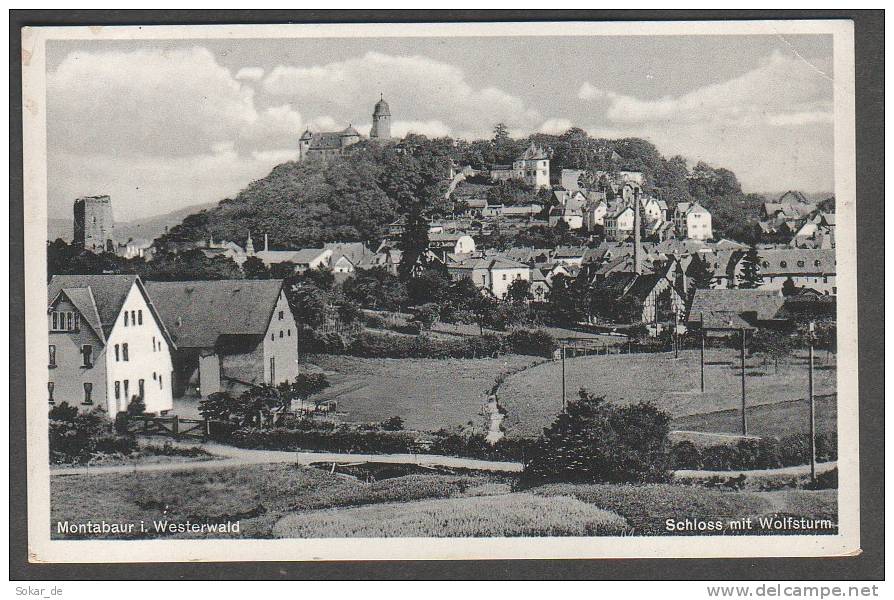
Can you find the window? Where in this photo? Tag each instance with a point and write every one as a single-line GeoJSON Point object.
{"type": "Point", "coordinates": [280, 334]}
{"type": "Point", "coordinates": [51, 387]}
{"type": "Point", "coordinates": [289, 332]}
{"type": "Point", "coordinates": [272, 337]}
{"type": "Point", "coordinates": [64, 321]}
{"type": "Point", "coordinates": [783, 264]}
{"type": "Point", "coordinates": [140, 317]}
{"type": "Point", "coordinates": [154, 376]}
{"type": "Point", "coordinates": [88, 392]}
{"type": "Point", "coordinates": [153, 343]}
{"type": "Point", "coordinates": [127, 390]}
{"type": "Point", "coordinates": [161, 384]}
{"type": "Point", "coordinates": [87, 354]}
{"type": "Point", "coordinates": [133, 317]}
{"type": "Point", "coordinates": [117, 390]}
{"type": "Point", "coordinates": [124, 353]}
{"type": "Point", "coordinates": [117, 353]}
{"type": "Point", "coordinates": [272, 369]}
{"type": "Point", "coordinates": [125, 318]}
{"type": "Point", "coordinates": [816, 263]}
{"type": "Point", "coordinates": [142, 388]}
{"type": "Point", "coordinates": [800, 263]}
{"type": "Point", "coordinates": [281, 315]}
{"type": "Point", "coordinates": [52, 357]}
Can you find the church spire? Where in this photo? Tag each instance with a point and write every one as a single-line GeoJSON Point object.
{"type": "Point", "coordinates": [249, 246]}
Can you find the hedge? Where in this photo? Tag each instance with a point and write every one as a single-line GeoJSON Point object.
{"type": "Point", "coordinates": [371, 345]}
{"type": "Point", "coordinates": [339, 440]}
{"type": "Point", "coordinates": [752, 454]}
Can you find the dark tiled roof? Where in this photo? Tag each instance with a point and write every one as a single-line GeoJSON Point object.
{"type": "Point", "coordinates": [734, 309]}
{"type": "Point", "coordinates": [108, 294]}
{"type": "Point", "coordinates": [197, 313]}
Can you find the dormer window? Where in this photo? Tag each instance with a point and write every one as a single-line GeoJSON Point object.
{"type": "Point", "coordinates": [65, 320]}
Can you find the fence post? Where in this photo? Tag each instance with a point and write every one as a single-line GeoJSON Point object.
{"type": "Point", "coordinates": [176, 425]}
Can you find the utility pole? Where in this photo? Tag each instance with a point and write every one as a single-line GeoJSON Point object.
{"type": "Point", "coordinates": [742, 366]}
{"type": "Point", "coordinates": [676, 339]}
{"type": "Point", "coordinates": [563, 376]}
{"type": "Point", "coordinates": [812, 401]}
{"type": "Point", "coordinates": [703, 352]}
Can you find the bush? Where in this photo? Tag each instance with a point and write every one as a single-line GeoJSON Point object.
{"type": "Point", "coordinates": [753, 454]}
{"type": "Point", "coordinates": [339, 440]}
{"type": "Point", "coordinates": [374, 321]}
{"type": "Point", "coordinates": [76, 437]}
{"type": "Point", "coordinates": [596, 441]}
{"type": "Point", "coordinates": [532, 342]}
{"type": "Point", "coordinates": [393, 424]}
{"type": "Point", "coordinates": [370, 345]}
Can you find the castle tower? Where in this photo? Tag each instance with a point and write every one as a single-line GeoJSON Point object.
{"type": "Point", "coordinates": [381, 127]}
{"type": "Point", "coordinates": [94, 225]}
{"type": "Point", "coordinates": [304, 144]}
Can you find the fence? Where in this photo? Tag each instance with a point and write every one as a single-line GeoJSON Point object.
{"type": "Point", "coordinates": [174, 426]}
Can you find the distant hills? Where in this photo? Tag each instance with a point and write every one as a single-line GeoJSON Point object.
{"type": "Point", "coordinates": [148, 228]}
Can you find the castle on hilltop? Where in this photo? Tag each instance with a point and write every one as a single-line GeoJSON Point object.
{"type": "Point", "coordinates": [328, 144]}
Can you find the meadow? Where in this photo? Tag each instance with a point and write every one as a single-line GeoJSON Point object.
{"type": "Point", "coordinates": [482, 516]}
{"type": "Point", "coordinates": [427, 394]}
{"type": "Point", "coordinates": [257, 496]}
{"type": "Point", "coordinates": [294, 501]}
{"type": "Point", "coordinates": [533, 397]}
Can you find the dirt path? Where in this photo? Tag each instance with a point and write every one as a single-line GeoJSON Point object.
{"type": "Point", "coordinates": [241, 457]}
{"type": "Point", "coordinates": [799, 470]}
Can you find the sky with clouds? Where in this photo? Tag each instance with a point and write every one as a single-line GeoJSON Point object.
{"type": "Point", "coordinates": [161, 125]}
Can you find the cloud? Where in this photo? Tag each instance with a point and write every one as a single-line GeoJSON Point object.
{"type": "Point", "coordinates": [157, 102]}
{"type": "Point", "coordinates": [418, 89]}
{"type": "Point", "coordinates": [772, 125]}
{"type": "Point", "coordinates": [781, 91]}
{"type": "Point", "coordinates": [250, 73]}
{"type": "Point", "coordinates": [555, 126]}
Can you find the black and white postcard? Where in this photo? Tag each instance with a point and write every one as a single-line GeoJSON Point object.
{"type": "Point", "coordinates": [441, 291]}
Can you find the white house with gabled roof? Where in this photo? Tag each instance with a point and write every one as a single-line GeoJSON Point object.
{"type": "Point", "coordinates": [107, 345]}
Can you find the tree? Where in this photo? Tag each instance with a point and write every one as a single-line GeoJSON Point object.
{"type": "Point", "coordinates": [427, 315]}
{"type": "Point", "coordinates": [751, 270]}
{"type": "Point", "coordinates": [519, 291]}
{"type": "Point", "coordinates": [592, 441]}
{"type": "Point", "coordinates": [254, 268]}
{"type": "Point", "coordinates": [305, 386]}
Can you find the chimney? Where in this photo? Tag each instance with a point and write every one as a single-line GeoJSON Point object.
{"type": "Point", "coordinates": [266, 248]}
{"type": "Point", "coordinates": [637, 251]}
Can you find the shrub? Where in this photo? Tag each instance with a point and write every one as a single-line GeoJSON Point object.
{"type": "Point", "coordinates": [393, 424]}
{"type": "Point", "coordinates": [596, 441]}
{"type": "Point", "coordinates": [535, 342]}
{"type": "Point", "coordinates": [76, 437]}
{"type": "Point", "coordinates": [339, 440]}
{"type": "Point", "coordinates": [686, 455]}
{"type": "Point", "coordinates": [370, 345]}
{"type": "Point", "coordinates": [373, 321]}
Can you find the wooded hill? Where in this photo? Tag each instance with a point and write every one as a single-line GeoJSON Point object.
{"type": "Point", "coordinates": [355, 197]}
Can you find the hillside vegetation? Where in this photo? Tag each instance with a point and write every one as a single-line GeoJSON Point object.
{"type": "Point", "coordinates": [355, 196]}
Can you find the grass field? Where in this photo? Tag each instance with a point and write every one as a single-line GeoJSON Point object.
{"type": "Point", "coordinates": [427, 394]}
{"type": "Point", "coordinates": [774, 420]}
{"type": "Point", "coordinates": [483, 516]}
{"type": "Point", "coordinates": [257, 496]}
{"type": "Point", "coordinates": [646, 507]}
{"type": "Point", "coordinates": [285, 500]}
{"type": "Point", "coordinates": [532, 398]}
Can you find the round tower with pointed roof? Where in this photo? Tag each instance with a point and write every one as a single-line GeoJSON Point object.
{"type": "Point", "coordinates": [381, 127]}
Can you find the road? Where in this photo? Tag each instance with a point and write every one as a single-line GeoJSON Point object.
{"type": "Point", "coordinates": [798, 470]}
{"type": "Point", "coordinates": [241, 457]}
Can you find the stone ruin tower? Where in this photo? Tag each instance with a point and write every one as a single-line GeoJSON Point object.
{"type": "Point", "coordinates": [94, 226]}
{"type": "Point", "coordinates": [381, 127]}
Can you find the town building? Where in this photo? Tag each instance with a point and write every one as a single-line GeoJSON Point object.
{"type": "Point", "coordinates": [532, 167]}
{"type": "Point", "coordinates": [94, 224]}
{"type": "Point", "coordinates": [692, 221]}
{"type": "Point", "coordinates": [728, 309]}
{"type": "Point", "coordinates": [493, 274]}
{"type": "Point", "coordinates": [230, 335]}
{"type": "Point", "coordinates": [107, 345]}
